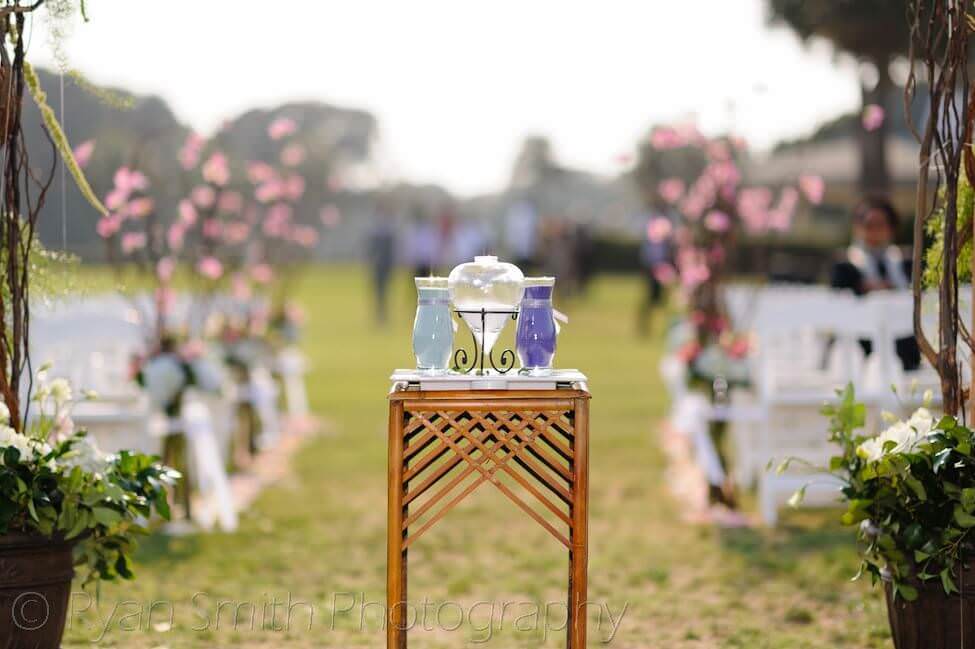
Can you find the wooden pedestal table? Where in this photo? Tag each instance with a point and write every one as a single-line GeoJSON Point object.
{"type": "Point", "coordinates": [531, 444]}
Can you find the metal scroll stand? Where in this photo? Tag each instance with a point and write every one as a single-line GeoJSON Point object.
{"type": "Point", "coordinates": [465, 363]}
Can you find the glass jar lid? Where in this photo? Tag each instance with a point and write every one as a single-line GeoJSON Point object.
{"type": "Point", "coordinates": [539, 281]}
{"type": "Point", "coordinates": [431, 282]}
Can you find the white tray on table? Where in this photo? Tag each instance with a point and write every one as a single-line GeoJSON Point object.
{"type": "Point", "coordinates": [556, 379]}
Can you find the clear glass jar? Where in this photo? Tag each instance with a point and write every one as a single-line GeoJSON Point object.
{"type": "Point", "coordinates": [536, 334]}
{"type": "Point", "coordinates": [433, 327]}
{"type": "Point", "coordinates": [486, 292]}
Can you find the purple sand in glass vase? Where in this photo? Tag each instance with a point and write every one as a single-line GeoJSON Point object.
{"type": "Point", "coordinates": [536, 333]}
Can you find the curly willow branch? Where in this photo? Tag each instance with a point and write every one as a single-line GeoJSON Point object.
{"type": "Point", "coordinates": [939, 32]}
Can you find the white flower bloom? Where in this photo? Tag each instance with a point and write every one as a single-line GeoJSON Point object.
{"type": "Point", "coordinates": [922, 421]}
{"type": "Point", "coordinates": [60, 390]}
{"type": "Point", "coordinates": [871, 450]}
{"type": "Point", "coordinates": [30, 449]}
{"type": "Point", "coordinates": [9, 438]}
{"type": "Point", "coordinates": [903, 435]}
{"type": "Point", "coordinates": [85, 454]}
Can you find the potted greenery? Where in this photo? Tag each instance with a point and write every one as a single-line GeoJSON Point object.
{"type": "Point", "coordinates": [64, 503]}
{"type": "Point", "coordinates": [910, 492]}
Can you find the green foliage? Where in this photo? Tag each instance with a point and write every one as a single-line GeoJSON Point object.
{"type": "Point", "coordinates": [49, 494]}
{"type": "Point", "coordinates": [935, 232]}
{"type": "Point", "coordinates": [909, 493]}
{"type": "Point", "coordinates": [60, 139]}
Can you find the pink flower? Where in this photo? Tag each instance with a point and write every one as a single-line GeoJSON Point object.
{"type": "Point", "coordinates": [216, 170]}
{"type": "Point", "coordinates": [210, 267]}
{"type": "Point", "coordinates": [873, 117]}
{"type": "Point", "coordinates": [108, 225]}
{"type": "Point", "coordinates": [189, 154]}
{"type": "Point", "coordinates": [203, 196]}
{"type": "Point", "coordinates": [132, 241]}
{"type": "Point", "coordinates": [753, 208]}
{"type": "Point", "coordinates": [294, 188]}
{"type": "Point", "coordinates": [694, 275]}
{"type": "Point", "coordinates": [116, 198]}
{"type": "Point", "coordinates": [718, 150]}
{"type": "Point", "coordinates": [174, 236]}
{"type": "Point", "coordinates": [780, 218]}
{"type": "Point", "coordinates": [212, 228]}
{"type": "Point", "coordinates": [260, 172]}
{"type": "Point", "coordinates": [165, 269]}
{"type": "Point", "coordinates": [277, 220]}
{"type": "Point", "coordinates": [717, 221]}
{"type": "Point", "coordinates": [281, 128]}
{"type": "Point", "coordinates": [128, 180]}
{"type": "Point", "coordinates": [141, 207]}
{"type": "Point", "coordinates": [262, 273]}
{"type": "Point", "coordinates": [305, 236]}
{"type": "Point", "coordinates": [664, 273]}
{"type": "Point", "coordinates": [83, 152]}
{"type": "Point", "coordinates": [187, 213]}
{"type": "Point", "coordinates": [330, 216]}
{"type": "Point", "coordinates": [236, 232]}
{"type": "Point", "coordinates": [813, 188]}
{"type": "Point", "coordinates": [724, 173]}
{"type": "Point", "coordinates": [293, 155]}
{"type": "Point", "coordinates": [230, 202]}
{"type": "Point", "coordinates": [659, 229]}
{"type": "Point", "coordinates": [671, 189]}
{"type": "Point", "coordinates": [269, 191]}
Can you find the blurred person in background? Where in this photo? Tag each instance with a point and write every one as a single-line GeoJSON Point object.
{"type": "Point", "coordinates": [585, 253]}
{"type": "Point", "coordinates": [470, 239]}
{"type": "Point", "coordinates": [521, 234]}
{"type": "Point", "coordinates": [873, 263]}
{"type": "Point", "coordinates": [446, 225]}
{"type": "Point", "coordinates": [421, 245]}
{"type": "Point", "coordinates": [656, 252]}
{"type": "Point", "coordinates": [380, 253]}
{"type": "Point", "coordinates": [558, 253]}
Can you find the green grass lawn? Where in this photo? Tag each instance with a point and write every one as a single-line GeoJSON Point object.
{"type": "Point", "coordinates": [317, 540]}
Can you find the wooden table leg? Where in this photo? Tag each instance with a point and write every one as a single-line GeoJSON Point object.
{"type": "Point", "coordinates": [396, 578]}
{"type": "Point", "coordinates": [579, 552]}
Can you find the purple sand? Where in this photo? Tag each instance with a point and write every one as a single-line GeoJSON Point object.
{"type": "Point", "coordinates": [535, 338]}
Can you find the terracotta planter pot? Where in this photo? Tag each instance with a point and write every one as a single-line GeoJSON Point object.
{"type": "Point", "coordinates": [935, 620]}
{"type": "Point", "coordinates": [35, 588]}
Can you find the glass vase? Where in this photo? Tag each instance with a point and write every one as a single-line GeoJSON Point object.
{"type": "Point", "coordinates": [536, 334]}
{"type": "Point", "coordinates": [433, 327]}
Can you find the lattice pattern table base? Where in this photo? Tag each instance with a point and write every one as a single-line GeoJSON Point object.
{"type": "Point", "coordinates": [533, 446]}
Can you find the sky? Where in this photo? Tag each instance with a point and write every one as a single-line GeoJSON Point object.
{"type": "Point", "coordinates": [457, 84]}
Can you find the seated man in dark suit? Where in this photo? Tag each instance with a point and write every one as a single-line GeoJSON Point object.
{"type": "Point", "coordinates": [874, 263]}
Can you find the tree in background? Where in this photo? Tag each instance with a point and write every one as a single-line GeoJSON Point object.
{"type": "Point", "coordinates": [873, 31]}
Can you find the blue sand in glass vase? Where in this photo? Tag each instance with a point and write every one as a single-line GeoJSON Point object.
{"type": "Point", "coordinates": [433, 328]}
{"type": "Point", "coordinates": [536, 334]}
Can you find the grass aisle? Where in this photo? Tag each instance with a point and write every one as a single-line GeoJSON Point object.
{"type": "Point", "coordinates": [316, 543]}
